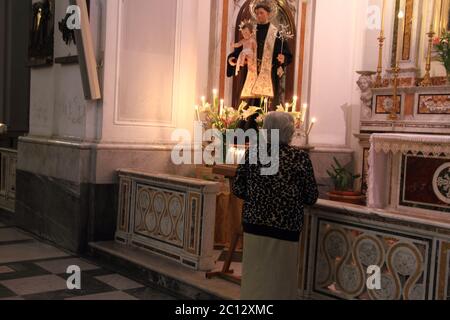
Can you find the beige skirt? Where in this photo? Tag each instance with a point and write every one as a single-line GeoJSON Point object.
{"type": "Point", "coordinates": [270, 269]}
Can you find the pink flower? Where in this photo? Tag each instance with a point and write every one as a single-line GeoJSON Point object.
{"type": "Point", "coordinates": [436, 41]}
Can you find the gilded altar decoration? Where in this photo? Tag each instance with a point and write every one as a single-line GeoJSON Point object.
{"type": "Point", "coordinates": [434, 104]}
{"type": "Point", "coordinates": [407, 34]}
{"type": "Point", "coordinates": [40, 50]}
{"type": "Point", "coordinates": [441, 19]}
{"type": "Point", "coordinates": [441, 183]}
{"type": "Point", "coordinates": [260, 85]}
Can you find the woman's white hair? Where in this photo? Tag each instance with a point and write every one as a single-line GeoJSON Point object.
{"type": "Point", "coordinates": [282, 121]}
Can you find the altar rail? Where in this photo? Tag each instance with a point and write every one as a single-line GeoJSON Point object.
{"type": "Point", "coordinates": [340, 242]}
{"type": "Point", "coordinates": [168, 215]}
{"type": "Point", "coordinates": [8, 164]}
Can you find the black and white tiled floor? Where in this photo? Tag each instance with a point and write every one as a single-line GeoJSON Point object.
{"type": "Point", "coordinates": [33, 270]}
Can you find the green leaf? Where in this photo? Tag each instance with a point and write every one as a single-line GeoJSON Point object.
{"type": "Point", "coordinates": [337, 163]}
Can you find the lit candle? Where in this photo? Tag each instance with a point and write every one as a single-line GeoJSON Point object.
{"type": "Point", "coordinates": [215, 100]}
{"type": "Point", "coordinates": [294, 104]}
{"type": "Point", "coordinates": [382, 17]}
{"type": "Point", "coordinates": [313, 122]}
{"type": "Point", "coordinates": [286, 107]}
{"type": "Point", "coordinates": [304, 110]}
{"type": "Point", "coordinates": [197, 113]}
{"type": "Point", "coordinates": [203, 101]}
{"type": "Point", "coordinates": [222, 104]}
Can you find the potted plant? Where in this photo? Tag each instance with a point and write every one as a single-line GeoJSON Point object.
{"type": "Point", "coordinates": [344, 182]}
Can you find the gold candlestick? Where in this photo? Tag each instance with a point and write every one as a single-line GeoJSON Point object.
{"type": "Point", "coordinates": [393, 115]}
{"type": "Point", "coordinates": [426, 82]}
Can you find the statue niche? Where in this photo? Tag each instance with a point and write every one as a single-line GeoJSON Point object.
{"type": "Point", "coordinates": [284, 16]}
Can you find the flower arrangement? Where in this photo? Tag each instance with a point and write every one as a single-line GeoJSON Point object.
{"type": "Point", "coordinates": [223, 118]}
{"type": "Point", "coordinates": [442, 47]}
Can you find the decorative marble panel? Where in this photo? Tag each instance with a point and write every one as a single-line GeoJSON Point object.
{"type": "Point", "coordinates": [124, 204]}
{"type": "Point", "coordinates": [385, 103]}
{"type": "Point", "coordinates": [425, 183]}
{"type": "Point", "coordinates": [168, 215]}
{"type": "Point", "coordinates": [434, 104]}
{"type": "Point", "coordinates": [402, 82]}
{"type": "Point", "coordinates": [344, 251]}
{"type": "Point", "coordinates": [159, 214]}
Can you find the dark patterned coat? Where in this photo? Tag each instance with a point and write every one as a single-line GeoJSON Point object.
{"type": "Point", "coordinates": [274, 204]}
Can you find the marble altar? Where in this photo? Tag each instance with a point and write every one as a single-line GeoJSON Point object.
{"type": "Point", "coordinates": [409, 172]}
{"type": "Point", "coordinates": [170, 216]}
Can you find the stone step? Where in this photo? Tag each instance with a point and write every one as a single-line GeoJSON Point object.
{"type": "Point", "coordinates": [158, 271]}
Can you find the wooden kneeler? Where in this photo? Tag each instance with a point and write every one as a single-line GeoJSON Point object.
{"type": "Point", "coordinates": [235, 211]}
{"type": "Point", "coordinates": [226, 272]}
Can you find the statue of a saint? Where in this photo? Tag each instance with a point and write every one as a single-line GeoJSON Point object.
{"type": "Point", "coordinates": [272, 53]}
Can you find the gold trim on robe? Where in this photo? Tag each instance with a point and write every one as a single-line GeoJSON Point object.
{"type": "Point", "coordinates": [260, 85]}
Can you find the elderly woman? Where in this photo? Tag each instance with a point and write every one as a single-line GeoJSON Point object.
{"type": "Point", "coordinates": [273, 216]}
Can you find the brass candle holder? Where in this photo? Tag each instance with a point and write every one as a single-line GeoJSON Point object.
{"type": "Point", "coordinates": [393, 114]}
{"type": "Point", "coordinates": [426, 82]}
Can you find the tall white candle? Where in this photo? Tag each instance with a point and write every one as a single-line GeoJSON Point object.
{"type": "Point", "coordinates": [222, 105]}
{"type": "Point", "coordinates": [294, 104]}
{"type": "Point", "coordinates": [197, 113]}
{"type": "Point", "coordinates": [215, 100]}
{"type": "Point", "coordinates": [203, 101]}
{"type": "Point", "coordinates": [313, 122]}
{"type": "Point", "coordinates": [304, 110]}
